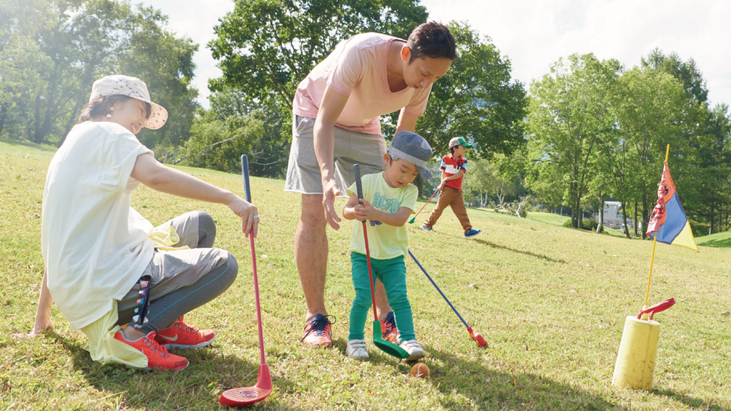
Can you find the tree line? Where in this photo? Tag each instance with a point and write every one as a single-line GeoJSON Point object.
{"type": "Point", "coordinates": [588, 131]}
{"type": "Point", "coordinates": [51, 51]}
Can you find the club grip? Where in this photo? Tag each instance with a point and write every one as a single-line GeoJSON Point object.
{"type": "Point", "coordinates": [245, 173]}
{"type": "Point", "coordinates": [358, 184]}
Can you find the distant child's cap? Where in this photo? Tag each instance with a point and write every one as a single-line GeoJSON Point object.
{"type": "Point", "coordinates": [130, 87]}
{"type": "Point", "coordinates": [412, 148]}
{"type": "Point", "coordinates": [459, 141]}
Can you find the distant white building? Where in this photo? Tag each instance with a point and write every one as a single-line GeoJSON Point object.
{"type": "Point", "coordinates": [613, 215]}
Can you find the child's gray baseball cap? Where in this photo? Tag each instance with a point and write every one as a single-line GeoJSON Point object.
{"type": "Point", "coordinates": [412, 148]}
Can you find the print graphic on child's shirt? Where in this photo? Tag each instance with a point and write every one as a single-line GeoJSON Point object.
{"type": "Point", "coordinates": [388, 205]}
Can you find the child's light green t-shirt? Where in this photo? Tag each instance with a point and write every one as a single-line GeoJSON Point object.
{"type": "Point", "coordinates": [385, 241]}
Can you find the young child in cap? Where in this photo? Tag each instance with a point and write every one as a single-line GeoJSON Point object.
{"type": "Point", "coordinates": [454, 167]}
{"type": "Point", "coordinates": [388, 201]}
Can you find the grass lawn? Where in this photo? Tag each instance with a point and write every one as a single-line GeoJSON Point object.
{"type": "Point", "coordinates": [722, 240]}
{"type": "Point", "coordinates": [551, 302]}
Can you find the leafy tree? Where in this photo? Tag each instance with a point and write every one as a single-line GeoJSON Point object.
{"type": "Point", "coordinates": [712, 176]}
{"type": "Point", "coordinates": [165, 63]}
{"type": "Point", "coordinates": [476, 100]}
{"type": "Point", "coordinates": [685, 72]}
{"type": "Point", "coordinates": [217, 143]}
{"type": "Point", "coordinates": [53, 50]}
{"type": "Point", "coordinates": [650, 107]}
{"type": "Point", "coordinates": [481, 181]}
{"type": "Point", "coordinates": [268, 152]}
{"type": "Point", "coordinates": [569, 116]}
{"type": "Point", "coordinates": [266, 47]}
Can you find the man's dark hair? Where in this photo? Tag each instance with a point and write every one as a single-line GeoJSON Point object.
{"type": "Point", "coordinates": [451, 149]}
{"type": "Point", "coordinates": [432, 40]}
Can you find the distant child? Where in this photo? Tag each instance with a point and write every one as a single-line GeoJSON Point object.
{"type": "Point", "coordinates": [388, 201]}
{"type": "Point", "coordinates": [454, 166]}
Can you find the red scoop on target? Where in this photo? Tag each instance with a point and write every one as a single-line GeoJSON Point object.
{"type": "Point", "coordinates": [659, 307]}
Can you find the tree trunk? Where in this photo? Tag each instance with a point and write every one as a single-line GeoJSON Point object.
{"type": "Point", "coordinates": [624, 217]}
{"type": "Point", "coordinates": [645, 217]}
{"type": "Point", "coordinates": [579, 213]}
{"type": "Point", "coordinates": [3, 116]}
{"type": "Point", "coordinates": [635, 224]}
{"type": "Point", "coordinates": [70, 122]}
{"type": "Point", "coordinates": [600, 223]}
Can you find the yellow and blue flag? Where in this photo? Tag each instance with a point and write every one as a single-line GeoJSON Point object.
{"type": "Point", "coordinates": [669, 222]}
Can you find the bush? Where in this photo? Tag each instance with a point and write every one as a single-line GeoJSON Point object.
{"type": "Point", "coordinates": [589, 224]}
{"type": "Point", "coordinates": [585, 224]}
{"type": "Point", "coordinates": [699, 229]}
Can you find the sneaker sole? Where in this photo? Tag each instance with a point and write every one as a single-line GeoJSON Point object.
{"type": "Point", "coordinates": [168, 369]}
{"type": "Point", "coordinates": [188, 347]}
{"type": "Point", "coordinates": [416, 357]}
{"type": "Point", "coordinates": [323, 344]}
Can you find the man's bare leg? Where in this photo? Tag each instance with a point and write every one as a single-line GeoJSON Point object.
{"type": "Point", "coordinates": [381, 300]}
{"type": "Point", "coordinates": [310, 254]}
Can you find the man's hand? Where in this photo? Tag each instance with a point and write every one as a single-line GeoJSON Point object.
{"type": "Point", "coordinates": [330, 191]}
{"type": "Point", "coordinates": [441, 186]}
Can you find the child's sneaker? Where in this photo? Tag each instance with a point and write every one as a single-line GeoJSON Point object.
{"type": "Point", "coordinates": [472, 233]}
{"type": "Point", "coordinates": [317, 332]}
{"type": "Point", "coordinates": [182, 335]}
{"type": "Point", "coordinates": [424, 227]}
{"type": "Point", "coordinates": [388, 325]}
{"type": "Point", "coordinates": [414, 349]}
{"type": "Point", "coordinates": [357, 350]}
{"type": "Point", "coordinates": [157, 356]}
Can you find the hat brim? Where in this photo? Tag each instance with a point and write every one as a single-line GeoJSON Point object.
{"type": "Point", "coordinates": [158, 114]}
{"type": "Point", "coordinates": [425, 173]}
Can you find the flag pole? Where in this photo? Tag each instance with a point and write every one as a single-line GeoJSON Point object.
{"type": "Point", "coordinates": [654, 241]}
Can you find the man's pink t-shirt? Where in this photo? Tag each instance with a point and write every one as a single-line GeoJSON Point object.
{"type": "Point", "coordinates": [357, 69]}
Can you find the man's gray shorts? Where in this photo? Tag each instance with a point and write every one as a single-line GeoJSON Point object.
{"type": "Point", "coordinates": [351, 147]}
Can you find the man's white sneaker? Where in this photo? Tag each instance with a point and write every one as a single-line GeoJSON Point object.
{"type": "Point", "coordinates": [357, 350]}
{"type": "Point", "coordinates": [414, 349]}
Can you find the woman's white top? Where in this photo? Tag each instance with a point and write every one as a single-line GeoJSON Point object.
{"type": "Point", "coordinates": [94, 244]}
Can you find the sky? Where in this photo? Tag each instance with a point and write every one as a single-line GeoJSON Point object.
{"type": "Point", "coordinates": [534, 34]}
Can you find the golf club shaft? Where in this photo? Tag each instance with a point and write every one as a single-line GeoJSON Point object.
{"type": "Point", "coordinates": [359, 189]}
{"type": "Point", "coordinates": [427, 202]}
{"type": "Point", "coordinates": [258, 303]}
{"type": "Point", "coordinates": [247, 190]}
{"type": "Point", "coordinates": [437, 287]}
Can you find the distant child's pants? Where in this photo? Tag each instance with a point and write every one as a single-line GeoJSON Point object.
{"type": "Point", "coordinates": [452, 197]}
{"type": "Point", "coordinates": [392, 273]}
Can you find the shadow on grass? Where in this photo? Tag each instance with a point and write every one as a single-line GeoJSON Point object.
{"type": "Point", "coordinates": [695, 403]}
{"type": "Point", "coordinates": [481, 387]}
{"type": "Point", "coordinates": [528, 253]}
{"type": "Point", "coordinates": [196, 387]}
{"type": "Point", "coordinates": [720, 243]}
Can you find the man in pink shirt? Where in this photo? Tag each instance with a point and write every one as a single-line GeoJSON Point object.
{"type": "Point", "coordinates": [336, 124]}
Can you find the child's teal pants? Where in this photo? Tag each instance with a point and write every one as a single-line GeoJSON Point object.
{"type": "Point", "coordinates": [392, 273]}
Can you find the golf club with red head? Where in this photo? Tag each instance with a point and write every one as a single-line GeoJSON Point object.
{"type": "Point", "coordinates": [237, 397]}
{"type": "Point", "coordinates": [473, 334]}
